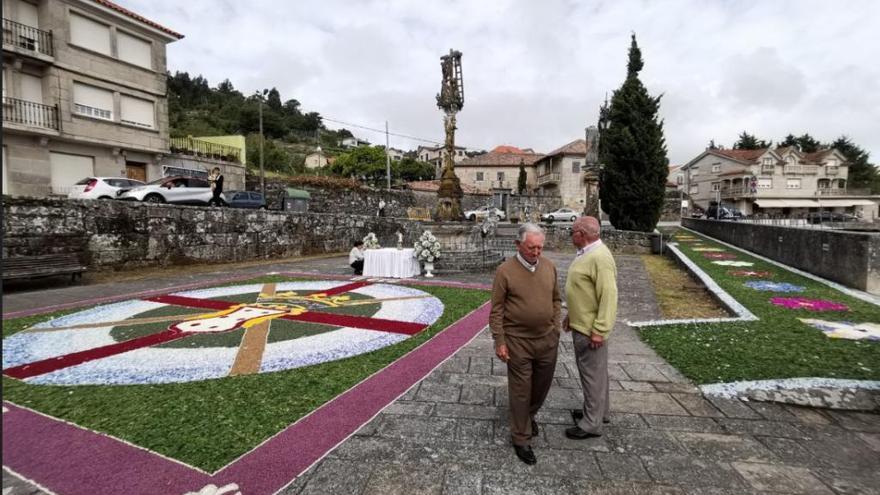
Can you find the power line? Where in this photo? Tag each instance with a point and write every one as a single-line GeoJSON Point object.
{"type": "Point", "coordinates": [381, 131]}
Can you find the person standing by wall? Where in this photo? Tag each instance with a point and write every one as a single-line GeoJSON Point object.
{"type": "Point", "coordinates": [591, 296]}
{"type": "Point", "coordinates": [381, 212]}
{"type": "Point", "coordinates": [215, 179]}
{"type": "Point", "coordinates": [526, 309]}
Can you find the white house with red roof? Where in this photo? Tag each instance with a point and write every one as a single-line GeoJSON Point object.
{"type": "Point", "coordinates": [84, 94]}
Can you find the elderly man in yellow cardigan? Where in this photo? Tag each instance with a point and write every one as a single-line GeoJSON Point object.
{"type": "Point", "coordinates": [591, 295]}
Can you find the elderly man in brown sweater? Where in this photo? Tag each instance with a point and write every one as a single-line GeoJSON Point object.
{"type": "Point", "coordinates": [525, 319]}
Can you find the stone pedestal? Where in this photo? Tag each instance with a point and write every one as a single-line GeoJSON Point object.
{"type": "Point", "coordinates": [449, 197]}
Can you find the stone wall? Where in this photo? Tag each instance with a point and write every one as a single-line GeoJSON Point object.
{"type": "Point", "coordinates": [618, 241]}
{"type": "Point", "coordinates": [364, 201]}
{"type": "Point", "coordinates": [118, 235]}
{"type": "Point", "coordinates": [850, 258]}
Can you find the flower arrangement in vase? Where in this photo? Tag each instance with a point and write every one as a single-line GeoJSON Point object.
{"type": "Point", "coordinates": [371, 242]}
{"type": "Point", "coordinates": [427, 250]}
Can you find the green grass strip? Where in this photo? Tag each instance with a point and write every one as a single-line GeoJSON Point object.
{"type": "Point", "coordinates": [778, 345]}
{"type": "Point", "coordinates": [209, 423]}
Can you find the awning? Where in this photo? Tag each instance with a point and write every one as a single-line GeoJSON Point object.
{"type": "Point", "coordinates": [828, 203]}
{"type": "Point", "coordinates": [787, 203]}
{"type": "Point", "coordinates": [298, 193]}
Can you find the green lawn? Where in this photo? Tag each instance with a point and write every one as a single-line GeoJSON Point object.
{"type": "Point", "coordinates": [209, 423]}
{"type": "Point", "coordinates": [778, 345]}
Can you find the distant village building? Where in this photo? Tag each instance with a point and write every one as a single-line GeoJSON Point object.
{"type": "Point", "coordinates": [561, 173]}
{"type": "Point", "coordinates": [435, 155]}
{"type": "Point", "coordinates": [84, 94]}
{"type": "Point", "coordinates": [498, 169]}
{"type": "Point", "coordinates": [782, 181]}
{"type": "Point", "coordinates": [353, 142]}
{"type": "Point", "coordinates": [316, 160]}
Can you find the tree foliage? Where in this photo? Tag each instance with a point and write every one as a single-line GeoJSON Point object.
{"type": "Point", "coordinates": [862, 173]}
{"type": "Point", "coordinates": [750, 142]}
{"type": "Point", "coordinates": [804, 142]}
{"type": "Point", "coordinates": [632, 151]}
{"type": "Point", "coordinates": [521, 180]}
{"type": "Point", "coordinates": [368, 163]}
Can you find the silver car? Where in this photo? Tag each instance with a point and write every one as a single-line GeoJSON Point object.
{"type": "Point", "coordinates": [560, 215]}
{"type": "Point", "coordinates": [176, 190]}
{"type": "Point", "coordinates": [102, 187]}
{"type": "Point", "coordinates": [483, 212]}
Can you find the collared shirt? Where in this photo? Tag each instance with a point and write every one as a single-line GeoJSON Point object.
{"type": "Point", "coordinates": [528, 266]}
{"type": "Point", "coordinates": [589, 247]}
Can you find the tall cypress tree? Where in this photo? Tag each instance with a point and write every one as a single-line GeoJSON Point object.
{"type": "Point", "coordinates": [521, 180]}
{"type": "Point", "coordinates": [632, 152]}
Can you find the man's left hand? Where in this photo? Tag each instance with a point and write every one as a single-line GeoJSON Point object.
{"type": "Point", "coordinates": [596, 341]}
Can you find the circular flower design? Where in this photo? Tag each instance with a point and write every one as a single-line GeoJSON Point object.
{"type": "Point", "coordinates": [733, 263]}
{"type": "Point", "coordinates": [709, 249]}
{"type": "Point", "coordinates": [809, 304]}
{"type": "Point", "coordinates": [218, 332]}
{"type": "Point", "coordinates": [720, 256]}
{"type": "Point", "coordinates": [774, 286]}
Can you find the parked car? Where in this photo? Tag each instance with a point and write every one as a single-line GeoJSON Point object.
{"type": "Point", "coordinates": [560, 215]}
{"type": "Point", "coordinates": [483, 212]}
{"type": "Point", "coordinates": [102, 187]}
{"type": "Point", "coordinates": [724, 212]}
{"type": "Point", "coordinates": [176, 190]}
{"type": "Point", "coordinates": [245, 199]}
{"type": "Point", "coordinates": [830, 216]}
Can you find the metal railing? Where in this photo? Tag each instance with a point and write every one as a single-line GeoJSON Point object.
{"type": "Point", "coordinates": [548, 179]}
{"type": "Point", "coordinates": [27, 37]}
{"type": "Point", "coordinates": [842, 191]}
{"type": "Point", "coordinates": [800, 170]}
{"type": "Point", "coordinates": [198, 147]}
{"type": "Point", "coordinates": [736, 192]}
{"type": "Point", "coordinates": [30, 113]}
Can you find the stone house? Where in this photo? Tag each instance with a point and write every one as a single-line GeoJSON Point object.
{"type": "Point", "coordinates": [435, 154]}
{"type": "Point", "coordinates": [316, 160]}
{"type": "Point", "coordinates": [353, 142]}
{"type": "Point", "coordinates": [562, 173]}
{"type": "Point", "coordinates": [498, 169]}
{"type": "Point", "coordinates": [84, 93]}
{"type": "Point", "coordinates": [782, 181]}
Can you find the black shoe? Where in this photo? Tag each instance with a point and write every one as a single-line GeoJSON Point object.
{"type": "Point", "coordinates": [534, 428]}
{"type": "Point", "coordinates": [577, 415]}
{"type": "Point", "coordinates": [525, 454]}
{"type": "Point", "coordinates": [575, 433]}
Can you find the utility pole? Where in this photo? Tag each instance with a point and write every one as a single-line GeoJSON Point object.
{"type": "Point", "coordinates": [262, 171]}
{"type": "Point", "coordinates": [387, 159]}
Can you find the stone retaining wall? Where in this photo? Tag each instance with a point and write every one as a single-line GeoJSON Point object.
{"type": "Point", "coordinates": [850, 258]}
{"type": "Point", "coordinates": [118, 235]}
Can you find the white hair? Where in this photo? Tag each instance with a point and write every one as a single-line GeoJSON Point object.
{"type": "Point", "coordinates": [526, 229]}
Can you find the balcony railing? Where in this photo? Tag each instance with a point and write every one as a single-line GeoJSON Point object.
{"type": "Point", "coordinates": [842, 191]}
{"type": "Point", "coordinates": [548, 179]}
{"type": "Point", "coordinates": [30, 114]}
{"type": "Point", "coordinates": [735, 192]}
{"type": "Point", "coordinates": [198, 147]}
{"type": "Point", "coordinates": [27, 37]}
{"type": "Point", "coordinates": [768, 169]}
{"type": "Point", "coordinates": [801, 170]}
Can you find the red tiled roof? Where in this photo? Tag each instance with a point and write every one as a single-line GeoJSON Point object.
{"type": "Point", "coordinates": [576, 147]}
{"type": "Point", "coordinates": [434, 185]}
{"type": "Point", "coordinates": [818, 155]}
{"type": "Point", "coordinates": [495, 159]}
{"type": "Point", "coordinates": [504, 148]}
{"type": "Point", "coordinates": [743, 155]}
{"type": "Point", "coordinates": [123, 10]}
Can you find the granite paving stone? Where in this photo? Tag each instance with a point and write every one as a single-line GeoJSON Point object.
{"type": "Point", "coordinates": [734, 408]}
{"type": "Point", "coordinates": [697, 405]}
{"type": "Point", "coordinates": [326, 478]}
{"type": "Point", "coordinates": [790, 451]}
{"type": "Point", "coordinates": [414, 408]}
{"type": "Point", "coordinates": [724, 447]}
{"type": "Point", "coordinates": [773, 412]}
{"type": "Point", "coordinates": [691, 471]}
{"type": "Point", "coordinates": [850, 481]}
{"type": "Point", "coordinates": [474, 431]}
{"type": "Point", "coordinates": [760, 427]}
{"type": "Point", "coordinates": [858, 421]}
{"type": "Point", "coordinates": [645, 402]}
{"type": "Point", "coordinates": [455, 364]}
{"type": "Point", "coordinates": [393, 479]}
{"type": "Point", "coordinates": [872, 439]}
{"type": "Point", "coordinates": [483, 395]}
{"type": "Point", "coordinates": [781, 479]}
{"type": "Point", "coordinates": [808, 415]}
{"type": "Point", "coordinates": [460, 480]}
{"type": "Point", "coordinates": [622, 467]}
{"type": "Point", "coordinates": [636, 386]}
{"type": "Point", "coordinates": [468, 411]}
{"type": "Point", "coordinates": [481, 365]}
{"type": "Point", "coordinates": [438, 392]}
{"type": "Point", "coordinates": [645, 442]}
{"type": "Point", "coordinates": [682, 423]}
{"type": "Point", "coordinates": [417, 428]}
{"type": "Point", "coordinates": [679, 388]}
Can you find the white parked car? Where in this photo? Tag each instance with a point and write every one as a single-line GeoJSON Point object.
{"type": "Point", "coordinates": [177, 190]}
{"type": "Point", "coordinates": [483, 212]}
{"type": "Point", "coordinates": [560, 215]}
{"type": "Point", "coordinates": [102, 187]}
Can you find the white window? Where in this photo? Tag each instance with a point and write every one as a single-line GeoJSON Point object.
{"type": "Point", "coordinates": [679, 179]}
{"type": "Point", "coordinates": [27, 14]}
{"type": "Point", "coordinates": [31, 88]}
{"type": "Point", "coordinates": [765, 183]}
{"type": "Point", "coordinates": [67, 170]}
{"type": "Point", "coordinates": [793, 184]}
{"type": "Point", "coordinates": [767, 160]}
{"type": "Point", "coordinates": [695, 188]}
{"type": "Point", "coordinates": [92, 101]}
{"type": "Point", "coordinates": [716, 167]}
{"type": "Point", "coordinates": [136, 111]}
{"type": "Point", "coordinates": [716, 186]}
{"type": "Point", "coordinates": [134, 50]}
{"type": "Point", "coordinates": [575, 167]}
{"type": "Point", "coordinates": [500, 175]}
{"type": "Point", "coordinates": [479, 176]}
{"type": "Point", "coordinates": [89, 34]}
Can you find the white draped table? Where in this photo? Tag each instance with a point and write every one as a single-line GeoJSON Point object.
{"type": "Point", "coordinates": [391, 262]}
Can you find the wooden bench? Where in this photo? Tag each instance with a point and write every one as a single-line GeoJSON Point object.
{"type": "Point", "coordinates": [46, 265]}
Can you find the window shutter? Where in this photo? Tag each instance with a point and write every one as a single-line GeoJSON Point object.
{"type": "Point", "coordinates": [89, 34]}
{"type": "Point", "coordinates": [134, 50]}
{"type": "Point", "coordinates": [137, 112]}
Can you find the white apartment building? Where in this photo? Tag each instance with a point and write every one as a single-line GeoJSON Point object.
{"type": "Point", "coordinates": [84, 85]}
{"type": "Point", "coordinates": [781, 181]}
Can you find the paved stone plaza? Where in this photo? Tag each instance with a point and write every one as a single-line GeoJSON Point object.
{"type": "Point", "coordinates": [448, 434]}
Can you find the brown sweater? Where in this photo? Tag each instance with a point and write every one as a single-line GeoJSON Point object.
{"type": "Point", "coordinates": [525, 304]}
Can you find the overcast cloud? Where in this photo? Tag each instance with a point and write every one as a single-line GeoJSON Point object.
{"type": "Point", "coordinates": [536, 72]}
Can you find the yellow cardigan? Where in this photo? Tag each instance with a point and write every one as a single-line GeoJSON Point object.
{"type": "Point", "coordinates": [591, 292]}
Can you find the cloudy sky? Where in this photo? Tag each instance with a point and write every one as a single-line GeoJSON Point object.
{"type": "Point", "coordinates": [535, 72]}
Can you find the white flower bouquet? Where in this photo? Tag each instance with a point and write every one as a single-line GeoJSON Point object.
{"type": "Point", "coordinates": [371, 242]}
{"type": "Point", "coordinates": [427, 248]}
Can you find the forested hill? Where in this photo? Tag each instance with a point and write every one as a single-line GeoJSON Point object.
{"type": "Point", "coordinates": [197, 109]}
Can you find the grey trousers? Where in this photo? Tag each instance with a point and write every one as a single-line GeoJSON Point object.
{"type": "Point", "coordinates": [592, 365]}
{"type": "Point", "coordinates": [529, 376]}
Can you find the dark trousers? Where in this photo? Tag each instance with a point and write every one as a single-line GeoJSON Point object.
{"type": "Point", "coordinates": [529, 376]}
{"type": "Point", "coordinates": [358, 266]}
{"type": "Point", "coordinates": [592, 365]}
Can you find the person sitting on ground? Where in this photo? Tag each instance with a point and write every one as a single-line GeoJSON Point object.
{"type": "Point", "coordinates": [356, 258]}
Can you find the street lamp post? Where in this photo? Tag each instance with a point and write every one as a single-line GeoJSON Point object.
{"type": "Point", "coordinates": [260, 96]}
